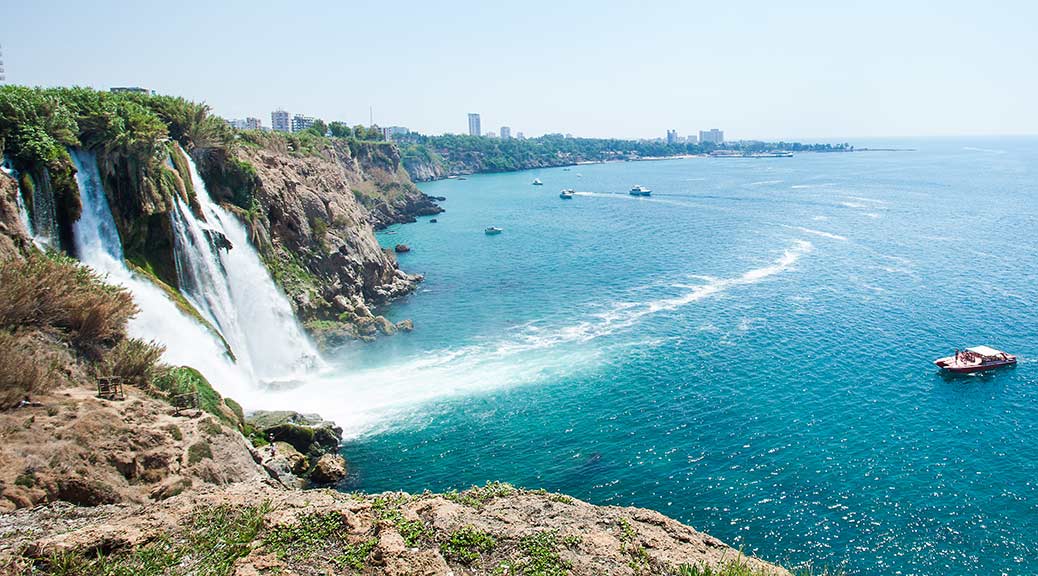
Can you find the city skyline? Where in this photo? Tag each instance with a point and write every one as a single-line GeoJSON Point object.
{"type": "Point", "coordinates": [829, 71]}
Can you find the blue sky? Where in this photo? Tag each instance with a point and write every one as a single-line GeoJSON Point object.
{"type": "Point", "coordinates": [777, 69]}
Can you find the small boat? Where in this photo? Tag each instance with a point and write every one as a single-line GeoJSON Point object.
{"type": "Point", "coordinates": [639, 190]}
{"type": "Point", "coordinates": [975, 359]}
{"type": "Point", "coordinates": [537, 182]}
{"type": "Point", "coordinates": [493, 230]}
{"type": "Point", "coordinates": [566, 194]}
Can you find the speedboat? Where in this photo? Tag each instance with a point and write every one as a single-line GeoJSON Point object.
{"type": "Point", "coordinates": [639, 190]}
{"type": "Point", "coordinates": [975, 359]}
{"type": "Point", "coordinates": [493, 230]}
{"type": "Point", "coordinates": [566, 194]}
{"type": "Point", "coordinates": [537, 182]}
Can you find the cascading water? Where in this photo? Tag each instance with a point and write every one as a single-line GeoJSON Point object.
{"type": "Point", "coordinates": [187, 342]}
{"type": "Point", "coordinates": [221, 274]}
{"type": "Point", "coordinates": [44, 216]}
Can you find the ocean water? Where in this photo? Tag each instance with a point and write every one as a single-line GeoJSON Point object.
{"type": "Point", "coordinates": [748, 351]}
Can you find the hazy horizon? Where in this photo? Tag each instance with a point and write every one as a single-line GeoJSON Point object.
{"type": "Point", "coordinates": [771, 71]}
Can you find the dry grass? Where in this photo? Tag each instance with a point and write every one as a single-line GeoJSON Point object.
{"type": "Point", "coordinates": [55, 294]}
{"type": "Point", "coordinates": [25, 369]}
{"type": "Point", "coordinates": [135, 361]}
{"type": "Point", "coordinates": [55, 312]}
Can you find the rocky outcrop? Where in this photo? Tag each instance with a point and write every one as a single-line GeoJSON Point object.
{"type": "Point", "coordinates": [70, 445]}
{"type": "Point", "coordinates": [491, 530]}
{"type": "Point", "coordinates": [330, 468]}
{"type": "Point", "coordinates": [423, 169]}
{"type": "Point", "coordinates": [13, 235]}
{"type": "Point", "coordinates": [302, 447]}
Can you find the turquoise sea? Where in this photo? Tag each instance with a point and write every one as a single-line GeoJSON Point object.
{"type": "Point", "coordinates": [748, 351]}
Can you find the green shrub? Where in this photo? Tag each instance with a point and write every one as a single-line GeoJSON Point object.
{"type": "Point", "coordinates": [26, 479]}
{"type": "Point", "coordinates": [307, 535]}
{"type": "Point", "coordinates": [199, 451]}
{"type": "Point", "coordinates": [478, 496]}
{"type": "Point", "coordinates": [465, 545]}
{"type": "Point", "coordinates": [214, 540]}
{"type": "Point", "coordinates": [541, 555]}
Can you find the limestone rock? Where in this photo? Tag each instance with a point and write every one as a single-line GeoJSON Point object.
{"type": "Point", "coordinates": [329, 469]}
{"type": "Point", "coordinates": [385, 326]}
{"type": "Point", "coordinates": [405, 326]}
{"type": "Point", "coordinates": [583, 539]}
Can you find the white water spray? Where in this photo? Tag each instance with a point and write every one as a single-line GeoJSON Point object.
{"type": "Point", "coordinates": [232, 288]}
{"type": "Point", "coordinates": [536, 352]}
{"type": "Point", "coordinates": [187, 342]}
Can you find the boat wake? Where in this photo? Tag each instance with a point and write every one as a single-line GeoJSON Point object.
{"type": "Point", "coordinates": [370, 400]}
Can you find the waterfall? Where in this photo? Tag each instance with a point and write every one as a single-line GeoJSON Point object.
{"type": "Point", "coordinates": [221, 274]}
{"type": "Point", "coordinates": [187, 342]}
{"type": "Point", "coordinates": [43, 209]}
{"type": "Point", "coordinates": [44, 216]}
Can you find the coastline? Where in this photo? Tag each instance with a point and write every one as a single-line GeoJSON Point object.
{"type": "Point", "coordinates": [456, 175]}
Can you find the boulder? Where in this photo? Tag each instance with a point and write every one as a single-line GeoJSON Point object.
{"type": "Point", "coordinates": [384, 326]}
{"type": "Point", "coordinates": [405, 326]}
{"type": "Point", "coordinates": [329, 469]}
{"type": "Point", "coordinates": [401, 248]}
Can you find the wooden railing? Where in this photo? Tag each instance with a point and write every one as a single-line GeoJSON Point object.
{"type": "Point", "coordinates": [110, 388]}
{"type": "Point", "coordinates": [181, 402]}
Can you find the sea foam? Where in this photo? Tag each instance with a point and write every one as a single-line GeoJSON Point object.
{"type": "Point", "coordinates": [366, 401]}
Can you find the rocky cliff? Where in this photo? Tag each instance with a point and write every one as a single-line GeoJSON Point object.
{"type": "Point", "coordinates": [312, 203]}
{"type": "Point", "coordinates": [254, 529]}
{"type": "Point", "coordinates": [13, 235]}
{"type": "Point", "coordinates": [314, 216]}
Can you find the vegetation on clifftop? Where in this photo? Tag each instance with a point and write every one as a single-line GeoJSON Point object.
{"type": "Point", "coordinates": [462, 154]}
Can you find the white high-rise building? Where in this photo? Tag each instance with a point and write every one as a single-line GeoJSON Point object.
{"type": "Point", "coordinates": [672, 136]}
{"type": "Point", "coordinates": [300, 122]}
{"type": "Point", "coordinates": [280, 121]}
{"type": "Point", "coordinates": [712, 136]}
{"type": "Point", "coordinates": [474, 129]}
{"type": "Point", "coordinates": [506, 133]}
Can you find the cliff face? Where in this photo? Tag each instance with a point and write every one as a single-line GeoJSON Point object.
{"type": "Point", "coordinates": [13, 235]}
{"type": "Point", "coordinates": [314, 223]}
{"type": "Point", "coordinates": [424, 170]}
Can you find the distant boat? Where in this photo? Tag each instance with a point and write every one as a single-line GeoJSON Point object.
{"type": "Point", "coordinates": [639, 190]}
{"type": "Point", "coordinates": [537, 182]}
{"type": "Point", "coordinates": [975, 359]}
{"type": "Point", "coordinates": [566, 194]}
{"type": "Point", "coordinates": [493, 230]}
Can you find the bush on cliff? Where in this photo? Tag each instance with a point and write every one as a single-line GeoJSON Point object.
{"type": "Point", "coordinates": [57, 296]}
